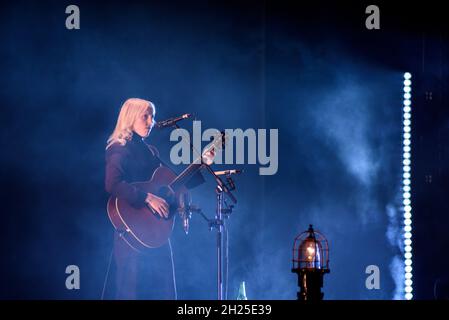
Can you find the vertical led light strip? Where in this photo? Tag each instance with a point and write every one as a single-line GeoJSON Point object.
{"type": "Point", "coordinates": [406, 195]}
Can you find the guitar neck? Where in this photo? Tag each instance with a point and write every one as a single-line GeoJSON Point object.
{"type": "Point", "coordinates": [196, 165]}
{"type": "Point", "coordinates": [185, 176]}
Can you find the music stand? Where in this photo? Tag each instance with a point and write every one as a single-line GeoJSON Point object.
{"type": "Point", "coordinates": [221, 213]}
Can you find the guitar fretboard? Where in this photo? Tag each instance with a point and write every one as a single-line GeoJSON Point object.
{"type": "Point", "coordinates": [184, 176]}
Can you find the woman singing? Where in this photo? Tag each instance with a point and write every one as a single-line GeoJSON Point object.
{"type": "Point", "coordinates": [138, 275]}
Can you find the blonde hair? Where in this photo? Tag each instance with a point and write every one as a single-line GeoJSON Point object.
{"type": "Point", "coordinates": [130, 111]}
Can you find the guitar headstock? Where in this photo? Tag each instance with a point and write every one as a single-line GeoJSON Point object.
{"type": "Point", "coordinates": [219, 142]}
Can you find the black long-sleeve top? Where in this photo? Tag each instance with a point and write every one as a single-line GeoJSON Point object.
{"type": "Point", "coordinates": [134, 162]}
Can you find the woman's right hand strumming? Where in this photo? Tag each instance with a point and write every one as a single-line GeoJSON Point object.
{"type": "Point", "coordinates": [159, 205]}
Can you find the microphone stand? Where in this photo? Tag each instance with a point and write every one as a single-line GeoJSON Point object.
{"type": "Point", "coordinates": [218, 222]}
{"type": "Point", "coordinates": [220, 225]}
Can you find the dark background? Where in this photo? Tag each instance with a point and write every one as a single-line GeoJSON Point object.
{"type": "Point", "coordinates": [312, 70]}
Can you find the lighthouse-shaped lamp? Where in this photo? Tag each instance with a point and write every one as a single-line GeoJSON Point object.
{"type": "Point", "coordinates": [310, 262]}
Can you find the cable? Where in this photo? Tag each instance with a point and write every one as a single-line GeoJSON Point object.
{"type": "Point", "coordinates": [227, 260]}
{"type": "Point", "coordinates": [107, 274]}
{"type": "Point", "coordinates": [173, 269]}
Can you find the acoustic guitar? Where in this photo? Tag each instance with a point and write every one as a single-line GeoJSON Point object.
{"type": "Point", "coordinates": [141, 227]}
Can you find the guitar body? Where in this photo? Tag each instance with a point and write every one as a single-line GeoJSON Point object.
{"type": "Point", "coordinates": [140, 227]}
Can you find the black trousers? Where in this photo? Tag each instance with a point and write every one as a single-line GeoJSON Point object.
{"type": "Point", "coordinates": [143, 275]}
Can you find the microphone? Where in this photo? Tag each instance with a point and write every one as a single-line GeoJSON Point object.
{"type": "Point", "coordinates": [170, 122]}
{"type": "Point", "coordinates": [227, 172]}
{"type": "Point", "coordinates": [186, 222]}
{"type": "Point", "coordinates": [185, 213]}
